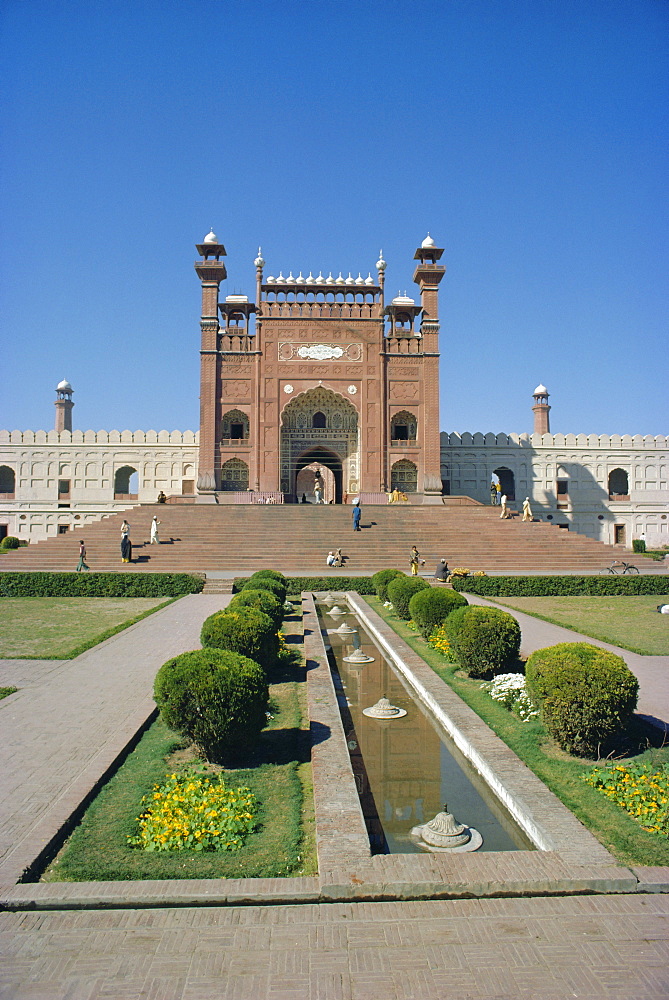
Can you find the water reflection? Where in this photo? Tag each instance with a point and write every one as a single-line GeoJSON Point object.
{"type": "Point", "coordinates": [404, 769]}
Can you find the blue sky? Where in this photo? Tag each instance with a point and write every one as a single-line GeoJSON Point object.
{"type": "Point", "coordinates": [528, 136]}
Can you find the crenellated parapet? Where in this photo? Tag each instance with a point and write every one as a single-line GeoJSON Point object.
{"type": "Point", "coordinates": [99, 437]}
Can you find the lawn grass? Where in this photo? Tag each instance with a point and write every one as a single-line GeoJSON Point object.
{"type": "Point", "coordinates": [5, 691]}
{"type": "Point", "coordinates": [277, 771]}
{"type": "Point", "coordinates": [60, 628]}
{"type": "Point", "coordinates": [562, 773]}
{"type": "Point", "coordinates": [629, 622]}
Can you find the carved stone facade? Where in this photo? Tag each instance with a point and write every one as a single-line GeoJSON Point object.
{"type": "Point", "coordinates": [329, 374]}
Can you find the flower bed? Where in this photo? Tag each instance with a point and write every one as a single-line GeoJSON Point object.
{"type": "Point", "coordinates": [195, 811]}
{"type": "Point", "coordinates": [641, 789]}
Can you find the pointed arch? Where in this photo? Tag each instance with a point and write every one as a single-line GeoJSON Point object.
{"type": "Point", "coordinates": [234, 476]}
{"type": "Point", "coordinates": [404, 476]}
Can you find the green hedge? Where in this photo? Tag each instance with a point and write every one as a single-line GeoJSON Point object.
{"type": "Point", "coordinates": [246, 630]}
{"type": "Point", "coordinates": [216, 698]}
{"type": "Point", "coordinates": [400, 592]}
{"type": "Point", "coordinates": [562, 586]}
{"type": "Point", "coordinates": [300, 584]}
{"type": "Point", "coordinates": [486, 641]}
{"type": "Point", "coordinates": [99, 584]}
{"type": "Point", "coordinates": [381, 581]}
{"type": "Point", "coordinates": [584, 694]}
{"type": "Point", "coordinates": [430, 608]}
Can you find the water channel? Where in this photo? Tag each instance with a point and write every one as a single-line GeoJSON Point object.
{"type": "Point", "coordinates": [406, 768]}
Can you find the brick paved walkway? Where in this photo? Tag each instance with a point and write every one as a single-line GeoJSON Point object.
{"type": "Point", "coordinates": [590, 947]}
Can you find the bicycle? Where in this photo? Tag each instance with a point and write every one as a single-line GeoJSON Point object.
{"type": "Point", "coordinates": [620, 568]}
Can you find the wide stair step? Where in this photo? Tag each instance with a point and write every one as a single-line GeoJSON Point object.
{"type": "Point", "coordinates": [230, 540]}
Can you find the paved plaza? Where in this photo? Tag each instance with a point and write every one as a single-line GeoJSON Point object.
{"type": "Point", "coordinates": [170, 941]}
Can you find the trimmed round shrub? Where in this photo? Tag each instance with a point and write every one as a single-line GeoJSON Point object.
{"type": "Point", "coordinates": [401, 590]}
{"type": "Point", "coordinates": [277, 587]}
{"type": "Point", "coordinates": [272, 574]}
{"type": "Point", "coordinates": [10, 542]}
{"type": "Point", "coordinates": [263, 600]}
{"type": "Point", "coordinates": [216, 698]}
{"type": "Point", "coordinates": [381, 580]}
{"type": "Point", "coordinates": [430, 608]}
{"type": "Point", "coordinates": [485, 641]}
{"type": "Point", "coordinates": [584, 694]}
{"type": "Point", "coordinates": [248, 631]}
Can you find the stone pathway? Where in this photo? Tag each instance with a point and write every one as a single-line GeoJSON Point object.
{"type": "Point", "coordinates": [590, 947]}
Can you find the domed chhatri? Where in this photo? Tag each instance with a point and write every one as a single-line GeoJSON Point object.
{"type": "Point", "coordinates": [444, 834]}
{"type": "Point", "coordinates": [384, 710]}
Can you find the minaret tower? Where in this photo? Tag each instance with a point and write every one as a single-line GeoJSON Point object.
{"type": "Point", "coordinates": [211, 271]}
{"type": "Point", "coordinates": [541, 409]}
{"type": "Point", "coordinates": [427, 276]}
{"type": "Point", "coordinates": [64, 406]}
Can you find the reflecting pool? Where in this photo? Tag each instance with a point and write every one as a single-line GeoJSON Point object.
{"type": "Point", "coordinates": [405, 769]}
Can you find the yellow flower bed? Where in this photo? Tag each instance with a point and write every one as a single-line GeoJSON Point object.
{"type": "Point", "coordinates": [642, 790]}
{"type": "Point", "coordinates": [439, 641]}
{"type": "Point", "coordinates": [195, 812]}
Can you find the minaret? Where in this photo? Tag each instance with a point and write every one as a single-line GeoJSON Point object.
{"type": "Point", "coordinates": [541, 410]}
{"type": "Point", "coordinates": [64, 406]}
{"type": "Point", "coordinates": [210, 272]}
{"type": "Point", "coordinates": [427, 276]}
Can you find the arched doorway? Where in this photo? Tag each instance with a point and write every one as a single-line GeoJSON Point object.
{"type": "Point", "coordinates": [506, 481]}
{"type": "Point", "coordinates": [234, 476]}
{"type": "Point", "coordinates": [319, 428]}
{"type": "Point", "coordinates": [404, 477]}
{"type": "Point", "coordinates": [327, 466]}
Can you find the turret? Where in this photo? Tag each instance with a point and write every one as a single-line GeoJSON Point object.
{"type": "Point", "coordinates": [541, 409]}
{"type": "Point", "coordinates": [64, 406]}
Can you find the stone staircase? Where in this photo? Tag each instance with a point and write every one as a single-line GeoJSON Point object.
{"type": "Point", "coordinates": [236, 540]}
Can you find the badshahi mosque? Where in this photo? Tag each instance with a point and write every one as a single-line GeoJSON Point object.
{"type": "Point", "coordinates": [322, 388]}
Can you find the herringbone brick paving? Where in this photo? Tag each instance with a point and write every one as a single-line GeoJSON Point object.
{"type": "Point", "coordinates": [590, 947]}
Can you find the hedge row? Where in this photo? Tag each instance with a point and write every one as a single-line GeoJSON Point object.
{"type": "Point", "coordinates": [562, 586]}
{"type": "Point", "coordinates": [99, 584]}
{"type": "Point", "coordinates": [299, 584]}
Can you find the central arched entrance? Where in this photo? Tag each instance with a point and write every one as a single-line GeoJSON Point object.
{"type": "Point", "coordinates": [323, 466]}
{"type": "Point", "coordinates": [319, 432]}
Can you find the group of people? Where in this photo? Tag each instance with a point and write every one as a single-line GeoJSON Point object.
{"type": "Point", "coordinates": [335, 558]}
{"type": "Point", "coordinates": [506, 513]}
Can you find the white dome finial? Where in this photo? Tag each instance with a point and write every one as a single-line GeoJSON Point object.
{"type": "Point", "coordinates": [211, 236]}
{"type": "Point", "coordinates": [259, 262]}
{"type": "Point", "coordinates": [427, 242]}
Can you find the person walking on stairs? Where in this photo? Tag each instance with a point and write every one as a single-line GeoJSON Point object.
{"type": "Point", "coordinates": [82, 557]}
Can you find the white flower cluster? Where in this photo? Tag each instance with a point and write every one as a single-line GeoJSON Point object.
{"type": "Point", "coordinates": [510, 691]}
